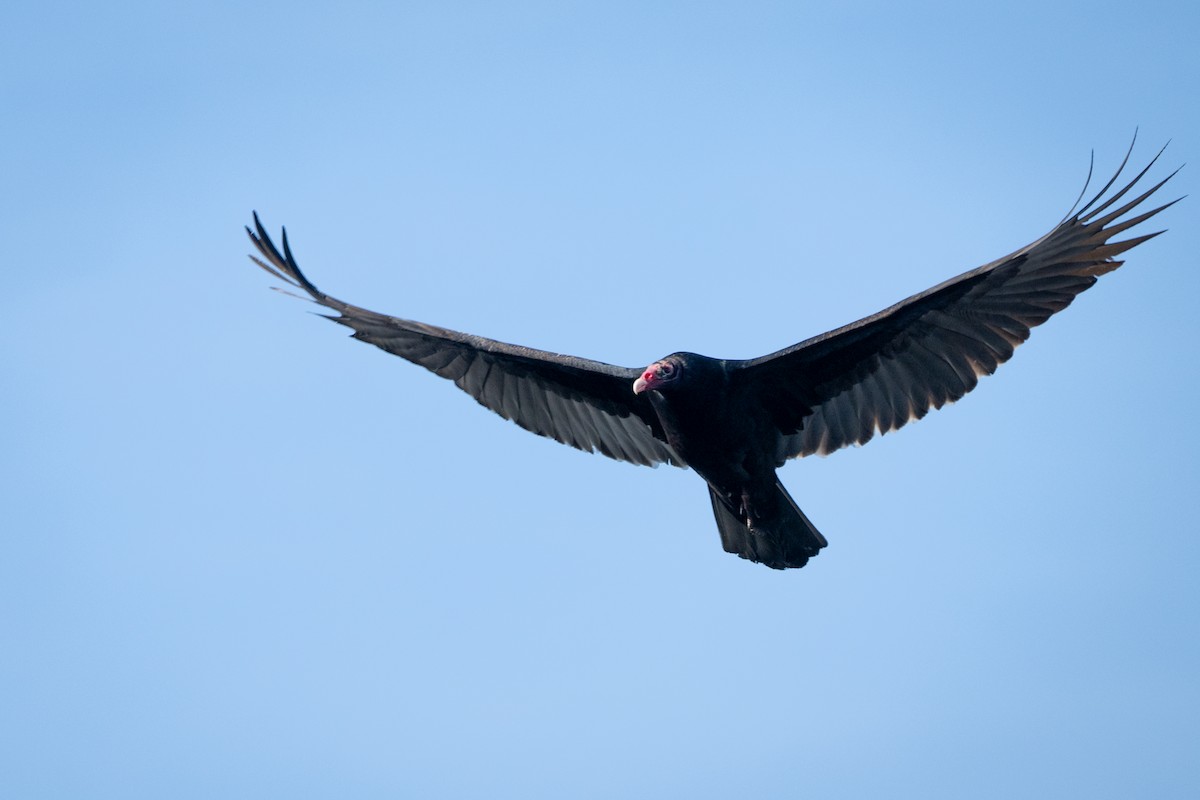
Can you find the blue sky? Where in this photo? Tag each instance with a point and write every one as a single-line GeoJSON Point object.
{"type": "Point", "coordinates": [245, 556]}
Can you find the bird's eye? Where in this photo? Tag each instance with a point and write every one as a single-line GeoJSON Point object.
{"type": "Point", "coordinates": [664, 370]}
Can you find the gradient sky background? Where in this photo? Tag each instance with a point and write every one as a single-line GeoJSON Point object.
{"type": "Point", "coordinates": [247, 557]}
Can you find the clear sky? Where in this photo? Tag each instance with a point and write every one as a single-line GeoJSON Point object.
{"type": "Point", "coordinates": [244, 556]}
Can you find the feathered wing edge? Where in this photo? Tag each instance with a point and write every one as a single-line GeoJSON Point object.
{"type": "Point", "coordinates": [586, 404]}
{"type": "Point", "coordinates": [878, 374]}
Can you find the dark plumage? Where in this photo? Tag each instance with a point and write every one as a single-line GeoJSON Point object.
{"type": "Point", "coordinates": [736, 422]}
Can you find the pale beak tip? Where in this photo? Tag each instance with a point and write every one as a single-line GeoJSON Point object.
{"type": "Point", "coordinates": [639, 386]}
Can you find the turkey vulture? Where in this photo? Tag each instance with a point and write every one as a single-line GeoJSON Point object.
{"type": "Point", "coordinates": [736, 422]}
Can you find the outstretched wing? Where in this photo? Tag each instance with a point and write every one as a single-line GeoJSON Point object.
{"type": "Point", "coordinates": [586, 404]}
{"type": "Point", "coordinates": [881, 372]}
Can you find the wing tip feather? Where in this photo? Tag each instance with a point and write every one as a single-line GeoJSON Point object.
{"type": "Point", "coordinates": [282, 265]}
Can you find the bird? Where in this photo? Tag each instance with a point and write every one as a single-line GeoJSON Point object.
{"type": "Point", "coordinates": [736, 422]}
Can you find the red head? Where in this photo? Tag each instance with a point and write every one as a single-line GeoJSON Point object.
{"type": "Point", "coordinates": [658, 375]}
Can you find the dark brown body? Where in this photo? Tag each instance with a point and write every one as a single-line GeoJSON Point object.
{"type": "Point", "coordinates": [719, 427]}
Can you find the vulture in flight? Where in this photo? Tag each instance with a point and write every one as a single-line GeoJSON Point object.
{"type": "Point", "coordinates": [736, 422]}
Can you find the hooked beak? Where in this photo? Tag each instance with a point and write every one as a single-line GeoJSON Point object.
{"type": "Point", "coordinates": [640, 385]}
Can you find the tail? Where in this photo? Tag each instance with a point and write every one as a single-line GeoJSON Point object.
{"type": "Point", "coordinates": [784, 540]}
